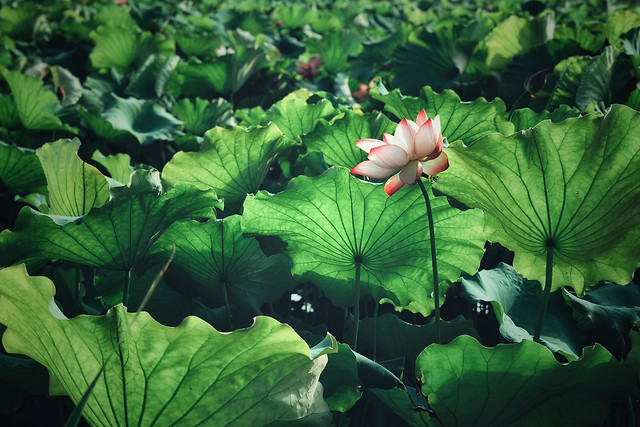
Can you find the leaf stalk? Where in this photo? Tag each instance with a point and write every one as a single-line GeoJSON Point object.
{"type": "Point", "coordinates": [545, 295]}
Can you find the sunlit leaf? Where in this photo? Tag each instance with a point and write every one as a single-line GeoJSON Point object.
{"type": "Point", "coordinates": [569, 186]}
{"type": "Point", "coordinates": [74, 187]}
{"type": "Point", "coordinates": [467, 121]}
{"type": "Point", "coordinates": [527, 118]}
{"type": "Point", "coordinates": [226, 265]}
{"type": "Point", "coordinates": [118, 165]}
{"type": "Point", "coordinates": [336, 139]}
{"type": "Point", "coordinates": [116, 235]}
{"type": "Point", "coordinates": [235, 163]}
{"type": "Point", "coordinates": [296, 114]}
{"type": "Point", "coordinates": [190, 374]}
{"type": "Point", "coordinates": [522, 384]}
{"type": "Point", "coordinates": [36, 106]}
{"type": "Point", "coordinates": [332, 221]}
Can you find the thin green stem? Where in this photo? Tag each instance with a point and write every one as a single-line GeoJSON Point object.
{"type": "Point", "coordinates": [227, 307]}
{"type": "Point", "coordinates": [375, 331]}
{"type": "Point", "coordinates": [127, 285]}
{"type": "Point", "coordinates": [545, 294]}
{"type": "Point", "coordinates": [434, 263]}
{"type": "Point", "coordinates": [356, 308]}
{"type": "Point", "coordinates": [513, 107]}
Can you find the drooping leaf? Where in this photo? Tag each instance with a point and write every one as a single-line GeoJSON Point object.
{"type": "Point", "coordinates": [340, 380]}
{"type": "Point", "coordinates": [20, 170]}
{"type": "Point", "coordinates": [467, 121]}
{"type": "Point", "coordinates": [522, 384]}
{"type": "Point", "coordinates": [527, 118]}
{"type": "Point", "coordinates": [609, 305]}
{"type": "Point", "coordinates": [116, 235]}
{"type": "Point", "coordinates": [17, 21]}
{"type": "Point", "coordinates": [619, 23]}
{"type": "Point", "coordinates": [118, 165]}
{"type": "Point", "coordinates": [36, 106]}
{"type": "Point", "coordinates": [8, 113]}
{"type": "Point", "coordinates": [201, 115]}
{"type": "Point", "coordinates": [67, 84]}
{"type": "Point", "coordinates": [569, 186]}
{"type": "Point", "coordinates": [336, 139]}
{"type": "Point", "coordinates": [515, 36]}
{"type": "Point", "coordinates": [147, 121]}
{"type": "Point", "coordinates": [235, 164]}
{"type": "Point", "coordinates": [225, 264]}
{"type": "Point", "coordinates": [333, 221]}
{"type": "Point", "coordinates": [595, 85]}
{"type": "Point", "coordinates": [189, 374]}
{"type": "Point", "coordinates": [570, 72]}
{"type": "Point", "coordinates": [516, 302]}
{"type": "Point", "coordinates": [151, 78]}
{"type": "Point", "coordinates": [296, 116]}
{"type": "Point", "coordinates": [74, 187]}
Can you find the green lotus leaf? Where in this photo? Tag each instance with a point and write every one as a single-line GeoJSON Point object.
{"type": "Point", "coordinates": [527, 118]}
{"type": "Point", "coordinates": [118, 165]}
{"type": "Point", "coordinates": [619, 23]}
{"type": "Point", "coordinates": [336, 140]}
{"type": "Point", "coordinates": [335, 48]}
{"type": "Point", "coordinates": [147, 121]}
{"type": "Point", "coordinates": [340, 380]}
{"type": "Point", "coordinates": [467, 121]}
{"type": "Point", "coordinates": [570, 72]}
{"type": "Point", "coordinates": [569, 186]}
{"type": "Point", "coordinates": [468, 384]}
{"type": "Point", "coordinates": [20, 170]}
{"type": "Point", "coordinates": [398, 409]}
{"type": "Point", "coordinates": [8, 113]}
{"type": "Point", "coordinates": [67, 84]}
{"type": "Point", "coordinates": [333, 221]}
{"type": "Point", "coordinates": [515, 36]}
{"type": "Point", "coordinates": [17, 21]}
{"type": "Point", "coordinates": [36, 106]}
{"type": "Point", "coordinates": [296, 116]}
{"type": "Point", "coordinates": [190, 374]}
{"type": "Point", "coordinates": [201, 115]}
{"type": "Point", "coordinates": [121, 48]}
{"type": "Point", "coordinates": [226, 265]}
{"type": "Point", "coordinates": [150, 80]}
{"type": "Point", "coordinates": [585, 38]}
{"type": "Point", "coordinates": [429, 58]}
{"type": "Point", "coordinates": [516, 302]}
{"type": "Point", "coordinates": [235, 163]}
{"type": "Point", "coordinates": [609, 305]}
{"type": "Point", "coordinates": [74, 187]}
{"type": "Point", "coordinates": [114, 236]}
{"type": "Point", "coordinates": [101, 127]}
{"type": "Point", "coordinates": [595, 85]}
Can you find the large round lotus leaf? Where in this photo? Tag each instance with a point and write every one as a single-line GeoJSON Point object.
{"type": "Point", "coordinates": [191, 374]}
{"type": "Point", "coordinates": [116, 235]}
{"type": "Point", "coordinates": [333, 221]}
{"type": "Point", "coordinates": [520, 384]}
{"type": "Point", "coordinates": [570, 186]}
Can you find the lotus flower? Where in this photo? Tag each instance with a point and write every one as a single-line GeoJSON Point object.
{"type": "Point", "coordinates": [414, 148]}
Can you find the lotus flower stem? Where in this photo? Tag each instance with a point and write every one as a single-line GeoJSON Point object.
{"type": "Point", "coordinates": [356, 308]}
{"type": "Point", "coordinates": [434, 263]}
{"type": "Point", "coordinates": [545, 294]}
{"type": "Point", "coordinates": [227, 307]}
{"type": "Point", "coordinates": [513, 107]}
{"type": "Point", "coordinates": [375, 331]}
{"type": "Point", "coordinates": [127, 285]}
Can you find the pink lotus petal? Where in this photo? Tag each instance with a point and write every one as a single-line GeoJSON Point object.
{"type": "Point", "coordinates": [426, 140]}
{"type": "Point", "coordinates": [403, 136]}
{"type": "Point", "coordinates": [436, 125]}
{"type": "Point", "coordinates": [422, 117]}
{"type": "Point", "coordinates": [419, 173]}
{"type": "Point", "coordinates": [393, 184]}
{"type": "Point", "coordinates": [389, 156]}
{"type": "Point", "coordinates": [409, 173]}
{"type": "Point", "coordinates": [436, 151]}
{"type": "Point", "coordinates": [368, 144]}
{"type": "Point", "coordinates": [372, 170]}
{"type": "Point", "coordinates": [437, 165]}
